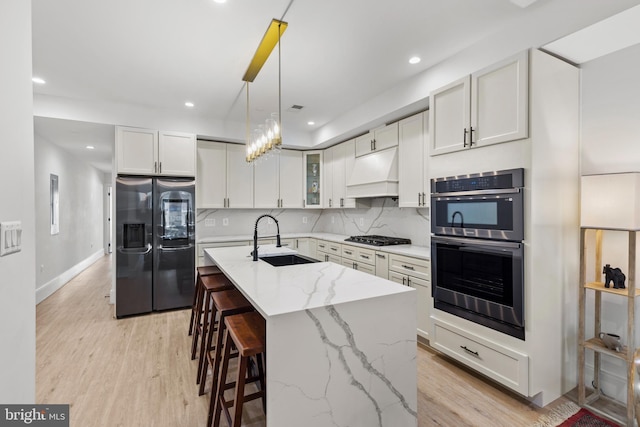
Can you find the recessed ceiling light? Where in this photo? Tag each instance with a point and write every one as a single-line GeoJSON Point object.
{"type": "Point", "coordinates": [414, 60]}
{"type": "Point", "coordinates": [188, 104]}
{"type": "Point", "coordinates": [38, 80]}
{"type": "Point", "coordinates": [220, 1]}
{"type": "Point", "coordinates": [90, 147]}
{"type": "Point", "coordinates": [311, 123]}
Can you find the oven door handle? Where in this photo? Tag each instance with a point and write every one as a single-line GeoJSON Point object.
{"type": "Point", "coordinates": [458, 241]}
{"type": "Point", "coordinates": [478, 192]}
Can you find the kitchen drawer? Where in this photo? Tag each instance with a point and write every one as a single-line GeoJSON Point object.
{"type": "Point", "coordinates": [330, 248]}
{"type": "Point", "coordinates": [412, 266]}
{"type": "Point", "coordinates": [506, 366]}
{"type": "Point", "coordinates": [367, 256]}
{"type": "Point", "coordinates": [349, 252]}
{"type": "Point", "coordinates": [322, 256]}
{"type": "Point", "coordinates": [365, 268]}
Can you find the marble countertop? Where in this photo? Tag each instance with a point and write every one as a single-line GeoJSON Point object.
{"type": "Point", "coordinates": [421, 252]}
{"type": "Point", "coordinates": [281, 290]}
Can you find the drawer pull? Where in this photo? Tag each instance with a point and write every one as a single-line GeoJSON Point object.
{"type": "Point", "coordinates": [348, 252]}
{"type": "Point", "coordinates": [408, 267]}
{"type": "Point", "coordinates": [334, 249]}
{"type": "Point", "coordinates": [380, 256]}
{"type": "Point", "coordinates": [475, 353]}
{"type": "Point", "coordinates": [365, 256]}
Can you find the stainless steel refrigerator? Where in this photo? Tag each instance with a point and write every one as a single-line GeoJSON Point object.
{"type": "Point", "coordinates": [155, 244]}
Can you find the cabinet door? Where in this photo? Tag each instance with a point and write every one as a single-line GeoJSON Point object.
{"type": "Point", "coordinates": [411, 162]}
{"type": "Point", "coordinates": [313, 174]}
{"type": "Point", "coordinates": [400, 278]}
{"type": "Point", "coordinates": [349, 153]}
{"type": "Point", "coordinates": [364, 144]}
{"type": "Point", "coordinates": [176, 154]}
{"type": "Point", "coordinates": [211, 179]}
{"type": "Point", "coordinates": [327, 180]}
{"type": "Point", "coordinates": [339, 188]}
{"type": "Point", "coordinates": [499, 102]}
{"type": "Point", "coordinates": [385, 137]}
{"type": "Point", "coordinates": [136, 150]}
{"type": "Point", "coordinates": [239, 178]}
{"type": "Point", "coordinates": [423, 307]}
{"type": "Point", "coordinates": [382, 265]}
{"type": "Point", "coordinates": [449, 110]}
{"type": "Point", "coordinates": [365, 268]}
{"type": "Point", "coordinates": [290, 179]}
{"type": "Point", "coordinates": [265, 183]}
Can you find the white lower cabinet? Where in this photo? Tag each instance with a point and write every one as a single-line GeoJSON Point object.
{"type": "Point", "coordinates": [329, 251]}
{"type": "Point", "coordinates": [306, 246]}
{"type": "Point", "coordinates": [416, 273]}
{"type": "Point", "coordinates": [382, 264]}
{"type": "Point", "coordinates": [504, 365]}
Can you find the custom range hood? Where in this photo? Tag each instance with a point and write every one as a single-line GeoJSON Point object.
{"type": "Point", "coordinates": [374, 175]}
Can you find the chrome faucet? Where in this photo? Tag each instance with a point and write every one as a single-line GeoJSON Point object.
{"type": "Point", "coordinates": [255, 235]}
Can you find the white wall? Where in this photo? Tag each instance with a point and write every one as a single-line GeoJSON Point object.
{"type": "Point", "coordinates": [81, 233]}
{"type": "Point", "coordinates": [17, 277]}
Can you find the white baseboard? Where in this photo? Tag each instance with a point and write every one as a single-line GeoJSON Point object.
{"type": "Point", "coordinates": [46, 290]}
{"type": "Point", "coordinates": [613, 382]}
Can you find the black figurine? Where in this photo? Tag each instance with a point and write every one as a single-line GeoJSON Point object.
{"type": "Point", "coordinates": [614, 275]}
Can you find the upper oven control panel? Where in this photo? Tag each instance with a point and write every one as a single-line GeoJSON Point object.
{"type": "Point", "coordinates": [512, 178]}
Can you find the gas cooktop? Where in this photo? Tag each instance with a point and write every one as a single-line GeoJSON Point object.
{"type": "Point", "coordinates": [378, 240]}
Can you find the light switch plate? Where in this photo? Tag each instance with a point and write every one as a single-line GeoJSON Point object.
{"type": "Point", "coordinates": [10, 237]}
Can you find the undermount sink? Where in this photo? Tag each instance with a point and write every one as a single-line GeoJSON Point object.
{"type": "Point", "coordinates": [282, 260]}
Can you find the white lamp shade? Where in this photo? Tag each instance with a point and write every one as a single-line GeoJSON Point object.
{"type": "Point", "coordinates": [611, 201]}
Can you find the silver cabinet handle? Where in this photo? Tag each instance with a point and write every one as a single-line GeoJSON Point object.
{"type": "Point", "coordinates": [408, 267]}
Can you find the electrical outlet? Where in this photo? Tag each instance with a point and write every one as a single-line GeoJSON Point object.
{"type": "Point", "coordinates": [361, 221]}
{"type": "Point", "coordinates": [210, 222]}
{"type": "Point", "coordinates": [304, 219]}
{"type": "Point", "coordinates": [225, 221]}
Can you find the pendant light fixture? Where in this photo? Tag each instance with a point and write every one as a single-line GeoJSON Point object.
{"type": "Point", "coordinates": [269, 135]}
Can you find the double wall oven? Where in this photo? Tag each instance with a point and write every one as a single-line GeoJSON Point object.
{"type": "Point", "coordinates": [477, 254]}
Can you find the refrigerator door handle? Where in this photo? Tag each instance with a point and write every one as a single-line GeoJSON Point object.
{"type": "Point", "coordinates": [135, 251]}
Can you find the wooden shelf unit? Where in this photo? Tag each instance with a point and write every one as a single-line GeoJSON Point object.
{"type": "Point", "coordinates": [629, 351]}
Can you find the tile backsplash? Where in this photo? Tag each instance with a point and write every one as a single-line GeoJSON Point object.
{"type": "Point", "coordinates": [384, 217]}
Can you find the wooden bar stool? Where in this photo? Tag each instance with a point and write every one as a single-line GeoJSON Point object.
{"type": "Point", "coordinates": [210, 284]}
{"type": "Point", "coordinates": [247, 333]}
{"type": "Point", "coordinates": [223, 304]}
{"type": "Point", "coordinates": [199, 293]}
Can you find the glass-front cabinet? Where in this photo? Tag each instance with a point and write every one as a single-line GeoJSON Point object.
{"type": "Point", "coordinates": [313, 179]}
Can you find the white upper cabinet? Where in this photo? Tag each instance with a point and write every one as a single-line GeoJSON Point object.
{"type": "Point", "coordinates": [413, 190]}
{"type": "Point", "coordinates": [278, 181]}
{"type": "Point", "coordinates": [224, 179]}
{"type": "Point", "coordinates": [239, 178]}
{"type": "Point", "coordinates": [149, 152]}
{"type": "Point", "coordinates": [211, 179]}
{"type": "Point", "coordinates": [488, 107]}
{"type": "Point", "coordinates": [313, 172]}
{"type": "Point", "coordinates": [137, 150]}
{"type": "Point", "coordinates": [176, 154]}
{"type": "Point", "coordinates": [291, 179]}
{"type": "Point", "coordinates": [377, 139]}
{"type": "Point", "coordinates": [338, 163]}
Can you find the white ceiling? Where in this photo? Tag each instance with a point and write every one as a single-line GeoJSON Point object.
{"type": "Point", "coordinates": [157, 54]}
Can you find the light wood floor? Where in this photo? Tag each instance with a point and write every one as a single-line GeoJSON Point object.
{"type": "Point", "coordinates": [137, 371]}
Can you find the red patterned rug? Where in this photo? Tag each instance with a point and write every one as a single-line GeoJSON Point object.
{"type": "Point", "coordinates": [572, 415]}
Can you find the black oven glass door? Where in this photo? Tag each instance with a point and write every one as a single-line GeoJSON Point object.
{"type": "Point", "coordinates": [479, 215]}
{"type": "Point", "coordinates": [480, 280]}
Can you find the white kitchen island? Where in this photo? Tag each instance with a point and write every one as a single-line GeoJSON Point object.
{"type": "Point", "coordinates": [341, 344]}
